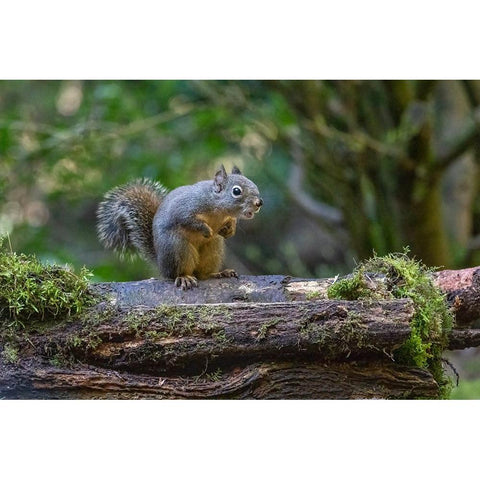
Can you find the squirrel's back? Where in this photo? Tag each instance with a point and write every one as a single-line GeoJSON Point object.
{"type": "Point", "coordinates": [186, 200]}
{"type": "Point", "coordinates": [125, 216]}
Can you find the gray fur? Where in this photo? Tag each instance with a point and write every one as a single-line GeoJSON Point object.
{"type": "Point", "coordinates": [124, 222]}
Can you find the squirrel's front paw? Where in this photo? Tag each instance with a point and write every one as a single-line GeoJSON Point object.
{"type": "Point", "coordinates": [228, 273]}
{"type": "Point", "coordinates": [186, 282]}
{"type": "Point", "coordinates": [207, 232]}
{"type": "Point", "coordinates": [228, 230]}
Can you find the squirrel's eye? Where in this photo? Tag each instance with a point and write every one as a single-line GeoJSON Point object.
{"type": "Point", "coordinates": [236, 191]}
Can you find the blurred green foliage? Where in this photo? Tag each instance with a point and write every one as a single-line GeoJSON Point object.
{"type": "Point", "coordinates": [64, 144]}
{"type": "Point", "coordinates": [466, 390]}
{"type": "Point", "coordinates": [345, 168]}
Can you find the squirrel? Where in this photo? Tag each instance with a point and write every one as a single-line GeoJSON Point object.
{"type": "Point", "coordinates": [183, 230]}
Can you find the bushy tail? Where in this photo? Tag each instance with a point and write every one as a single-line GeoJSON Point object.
{"type": "Point", "coordinates": [125, 216]}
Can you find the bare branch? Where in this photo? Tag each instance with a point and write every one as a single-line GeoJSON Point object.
{"type": "Point", "coordinates": [356, 141]}
{"type": "Point", "coordinates": [465, 141]}
{"type": "Point", "coordinates": [319, 210]}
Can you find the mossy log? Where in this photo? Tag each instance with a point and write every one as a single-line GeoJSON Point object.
{"type": "Point", "coordinates": [257, 337]}
{"type": "Point", "coordinates": [462, 289]}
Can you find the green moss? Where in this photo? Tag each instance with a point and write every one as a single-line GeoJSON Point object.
{"type": "Point", "coordinates": [75, 341]}
{"type": "Point", "coordinates": [317, 334]}
{"type": "Point", "coordinates": [207, 312]}
{"type": "Point", "coordinates": [206, 321]}
{"type": "Point", "coordinates": [138, 320]}
{"type": "Point", "coordinates": [178, 320]}
{"type": "Point", "coordinates": [215, 376]}
{"type": "Point", "coordinates": [101, 313]}
{"type": "Point", "coordinates": [262, 331]}
{"type": "Point", "coordinates": [349, 333]}
{"type": "Point", "coordinates": [88, 340]}
{"type": "Point", "coordinates": [352, 287]}
{"type": "Point", "coordinates": [31, 291]}
{"type": "Point", "coordinates": [59, 360]}
{"type": "Point", "coordinates": [398, 276]}
{"type": "Point", "coordinates": [10, 353]}
{"type": "Point", "coordinates": [313, 295]}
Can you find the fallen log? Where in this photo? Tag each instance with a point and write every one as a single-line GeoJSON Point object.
{"type": "Point", "coordinates": [461, 287]}
{"type": "Point", "coordinates": [284, 380]}
{"type": "Point", "coordinates": [185, 338]}
{"type": "Point", "coordinates": [256, 337]}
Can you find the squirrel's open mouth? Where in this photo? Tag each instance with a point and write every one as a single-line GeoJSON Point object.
{"type": "Point", "coordinates": [252, 209]}
{"type": "Point", "coordinates": [249, 214]}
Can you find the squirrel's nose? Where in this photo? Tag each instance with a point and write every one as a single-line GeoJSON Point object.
{"type": "Point", "coordinates": [258, 202]}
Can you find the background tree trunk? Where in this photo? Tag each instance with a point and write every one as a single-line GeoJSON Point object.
{"type": "Point", "coordinates": [379, 152]}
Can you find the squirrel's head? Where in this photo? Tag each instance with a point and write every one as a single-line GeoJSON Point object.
{"type": "Point", "coordinates": [239, 194]}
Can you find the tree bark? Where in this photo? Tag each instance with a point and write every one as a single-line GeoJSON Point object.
{"type": "Point", "coordinates": [283, 380]}
{"type": "Point", "coordinates": [257, 337]}
{"type": "Point", "coordinates": [462, 290]}
{"type": "Point", "coordinates": [424, 223]}
{"type": "Point", "coordinates": [461, 287]}
{"type": "Point", "coordinates": [186, 338]}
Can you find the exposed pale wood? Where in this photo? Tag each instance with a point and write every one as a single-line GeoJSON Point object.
{"type": "Point", "coordinates": [462, 288]}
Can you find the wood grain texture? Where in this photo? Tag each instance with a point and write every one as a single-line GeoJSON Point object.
{"type": "Point", "coordinates": [284, 380]}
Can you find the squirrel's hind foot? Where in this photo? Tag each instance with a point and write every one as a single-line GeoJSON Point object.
{"type": "Point", "coordinates": [186, 282]}
{"type": "Point", "coordinates": [228, 273]}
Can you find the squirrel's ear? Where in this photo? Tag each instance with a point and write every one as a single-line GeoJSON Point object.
{"type": "Point", "coordinates": [236, 170]}
{"type": "Point", "coordinates": [220, 180]}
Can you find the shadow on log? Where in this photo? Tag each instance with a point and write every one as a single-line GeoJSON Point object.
{"type": "Point", "coordinates": [257, 337]}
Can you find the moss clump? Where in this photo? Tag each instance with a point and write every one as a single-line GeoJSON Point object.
{"type": "Point", "coordinates": [178, 320]}
{"type": "Point", "coordinates": [262, 331]}
{"type": "Point", "coordinates": [398, 276]}
{"type": "Point", "coordinates": [87, 341]}
{"type": "Point", "coordinates": [10, 353]}
{"type": "Point", "coordinates": [347, 334]}
{"type": "Point", "coordinates": [313, 295]}
{"type": "Point", "coordinates": [352, 287]}
{"type": "Point", "coordinates": [31, 291]}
